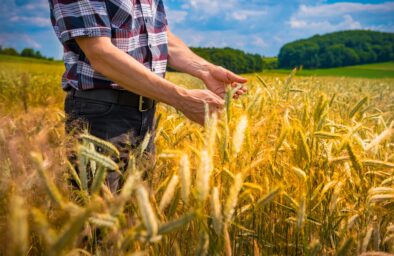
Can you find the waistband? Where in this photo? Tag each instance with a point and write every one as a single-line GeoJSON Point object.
{"type": "Point", "coordinates": [119, 97]}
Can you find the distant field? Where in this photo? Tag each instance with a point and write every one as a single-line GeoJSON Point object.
{"type": "Point", "coordinates": [377, 70]}
{"type": "Point", "coordinates": [8, 58]}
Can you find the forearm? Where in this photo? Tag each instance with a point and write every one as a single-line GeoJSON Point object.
{"type": "Point", "coordinates": [119, 67]}
{"type": "Point", "coordinates": [182, 59]}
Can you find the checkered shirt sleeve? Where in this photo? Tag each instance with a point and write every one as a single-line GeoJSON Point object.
{"type": "Point", "coordinates": [76, 18]}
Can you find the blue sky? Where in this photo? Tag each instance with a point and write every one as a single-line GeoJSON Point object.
{"type": "Point", "coordinates": [257, 26]}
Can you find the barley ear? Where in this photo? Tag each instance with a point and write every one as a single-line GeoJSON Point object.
{"type": "Point", "coordinates": [216, 211]}
{"type": "Point", "coordinates": [146, 211]}
{"type": "Point", "coordinates": [50, 187]}
{"type": "Point", "coordinates": [184, 173]}
{"type": "Point", "coordinates": [18, 226]}
{"type": "Point", "coordinates": [232, 199]}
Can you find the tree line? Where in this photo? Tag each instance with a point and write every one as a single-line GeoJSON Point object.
{"type": "Point", "coordinates": [27, 52]}
{"type": "Point", "coordinates": [337, 49]}
{"type": "Point", "coordinates": [235, 60]}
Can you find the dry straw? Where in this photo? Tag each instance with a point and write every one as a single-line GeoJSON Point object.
{"type": "Point", "coordinates": [169, 192]}
{"type": "Point", "coordinates": [184, 173]}
{"type": "Point", "coordinates": [203, 175]}
{"type": "Point", "coordinates": [239, 134]}
{"type": "Point", "coordinates": [232, 198]}
{"type": "Point", "coordinates": [216, 211]}
{"type": "Point", "coordinates": [18, 226]}
{"type": "Point", "coordinates": [146, 210]}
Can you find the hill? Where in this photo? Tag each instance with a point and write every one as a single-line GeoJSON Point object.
{"type": "Point", "coordinates": [338, 49]}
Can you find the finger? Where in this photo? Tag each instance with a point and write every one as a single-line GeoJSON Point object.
{"type": "Point", "coordinates": [243, 88]}
{"type": "Point", "coordinates": [220, 104]}
{"type": "Point", "coordinates": [216, 105]}
{"type": "Point", "coordinates": [235, 78]}
{"type": "Point", "coordinates": [219, 101]}
{"type": "Point", "coordinates": [241, 91]}
{"type": "Point", "coordinates": [239, 94]}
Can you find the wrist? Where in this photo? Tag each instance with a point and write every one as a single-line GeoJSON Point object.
{"type": "Point", "coordinates": [204, 71]}
{"type": "Point", "coordinates": [178, 97]}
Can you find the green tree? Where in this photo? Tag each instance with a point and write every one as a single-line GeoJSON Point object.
{"type": "Point", "coordinates": [28, 52]}
{"type": "Point", "coordinates": [338, 49]}
{"type": "Point", "coordinates": [235, 60]}
{"type": "Point", "coordinates": [9, 51]}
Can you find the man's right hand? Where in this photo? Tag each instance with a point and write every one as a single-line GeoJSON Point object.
{"type": "Point", "coordinates": [193, 103]}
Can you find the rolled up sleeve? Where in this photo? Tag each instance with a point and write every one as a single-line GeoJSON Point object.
{"type": "Point", "coordinates": [80, 18]}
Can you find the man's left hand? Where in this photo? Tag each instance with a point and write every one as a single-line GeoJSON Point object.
{"type": "Point", "coordinates": [217, 78]}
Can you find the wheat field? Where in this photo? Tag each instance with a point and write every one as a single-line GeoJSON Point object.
{"type": "Point", "coordinates": [298, 166]}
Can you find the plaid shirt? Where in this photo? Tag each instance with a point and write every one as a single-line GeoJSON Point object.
{"type": "Point", "coordinates": [137, 27]}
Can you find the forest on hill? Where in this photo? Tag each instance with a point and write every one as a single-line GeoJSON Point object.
{"type": "Point", "coordinates": [344, 48]}
{"type": "Point", "coordinates": [235, 60]}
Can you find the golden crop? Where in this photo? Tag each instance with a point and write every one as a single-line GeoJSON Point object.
{"type": "Point", "coordinates": [299, 166]}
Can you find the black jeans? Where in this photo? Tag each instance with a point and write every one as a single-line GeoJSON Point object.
{"type": "Point", "coordinates": [123, 126]}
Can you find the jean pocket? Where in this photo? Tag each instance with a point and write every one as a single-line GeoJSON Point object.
{"type": "Point", "coordinates": [91, 108]}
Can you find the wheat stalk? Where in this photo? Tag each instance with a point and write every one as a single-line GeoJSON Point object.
{"type": "Point", "coordinates": [232, 198]}
{"type": "Point", "coordinates": [203, 175]}
{"type": "Point", "coordinates": [146, 211]}
{"type": "Point", "coordinates": [169, 192]}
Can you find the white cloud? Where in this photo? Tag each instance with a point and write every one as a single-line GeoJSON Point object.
{"type": "Point", "coordinates": [175, 16]}
{"type": "Point", "coordinates": [339, 9]}
{"type": "Point", "coordinates": [37, 21]}
{"type": "Point", "coordinates": [259, 42]}
{"type": "Point", "coordinates": [241, 15]}
{"type": "Point", "coordinates": [322, 18]}
{"type": "Point", "coordinates": [346, 23]}
{"type": "Point", "coordinates": [211, 7]}
{"type": "Point", "coordinates": [226, 38]}
{"type": "Point", "coordinates": [14, 39]}
{"type": "Point", "coordinates": [230, 9]}
{"type": "Point", "coordinates": [382, 27]}
{"type": "Point", "coordinates": [38, 5]}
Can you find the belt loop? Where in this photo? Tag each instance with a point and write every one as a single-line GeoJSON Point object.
{"type": "Point", "coordinates": [71, 93]}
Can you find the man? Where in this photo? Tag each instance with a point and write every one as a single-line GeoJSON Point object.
{"type": "Point", "coordinates": [116, 53]}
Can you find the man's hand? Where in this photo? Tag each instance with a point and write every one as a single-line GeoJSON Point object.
{"type": "Point", "coordinates": [217, 78]}
{"type": "Point", "coordinates": [193, 104]}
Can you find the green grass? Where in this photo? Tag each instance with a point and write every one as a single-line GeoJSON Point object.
{"type": "Point", "coordinates": [377, 70]}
